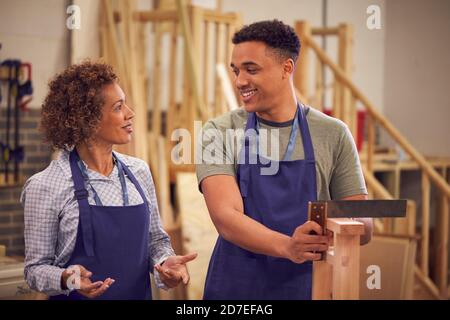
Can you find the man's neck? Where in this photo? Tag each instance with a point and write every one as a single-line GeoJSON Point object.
{"type": "Point", "coordinates": [281, 112]}
{"type": "Point", "coordinates": [97, 157]}
{"type": "Point", "coordinates": [283, 109]}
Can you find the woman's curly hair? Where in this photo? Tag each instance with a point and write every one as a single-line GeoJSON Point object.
{"type": "Point", "coordinates": [71, 111]}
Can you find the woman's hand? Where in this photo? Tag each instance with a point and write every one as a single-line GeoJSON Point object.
{"type": "Point", "coordinates": [174, 270]}
{"type": "Point", "coordinates": [78, 277]}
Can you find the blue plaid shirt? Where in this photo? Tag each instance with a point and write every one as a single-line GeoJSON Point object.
{"type": "Point", "coordinates": [51, 218]}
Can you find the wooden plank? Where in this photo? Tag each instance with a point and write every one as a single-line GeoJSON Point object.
{"type": "Point", "coordinates": [346, 277]}
{"type": "Point", "coordinates": [191, 61]}
{"type": "Point", "coordinates": [156, 81]}
{"type": "Point", "coordinates": [136, 81]}
{"type": "Point", "coordinates": [406, 226]}
{"type": "Point", "coordinates": [322, 280]}
{"type": "Point", "coordinates": [231, 30]}
{"type": "Point", "coordinates": [153, 158]}
{"type": "Point", "coordinates": [337, 108]}
{"type": "Point", "coordinates": [345, 226]}
{"type": "Point", "coordinates": [301, 75]}
{"type": "Point", "coordinates": [426, 282]}
{"type": "Point", "coordinates": [171, 123]}
{"type": "Point", "coordinates": [166, 211]}
{"type": "Point", "coordinates": [442, 239]}
{"type": "Point", "coordinates": [219, 58]}
{"type": "Point", "coordinates": [425, 241]}
{"type": "Point", "coordinates": [370, 142]}
{"type": "Point", "coordinates": [169, 15]}
{"type": "Point", "coordinates": [206, 63]}
{"type": "Point", "coordinates": [224, 18]}
{"type": "Point", "coordinates": [345, 62]}
{"type": "Point", "coordinates": [150, 16]}
{"type": "Point", "coordinates": [319, 86]}
{"type": "Point", "coordinates": [319, 31]}
{"type": "Point", "coordinates": [196, 19]}
{"type": "Point", "coordinates": [227, 87]}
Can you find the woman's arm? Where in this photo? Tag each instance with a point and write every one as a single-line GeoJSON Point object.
{"type": "Point", "coordinates": [41, 234]}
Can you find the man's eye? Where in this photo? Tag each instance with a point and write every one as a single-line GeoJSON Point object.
{"type": "Point", "coordinates": [235, 71]}
{"type": "Point", "coordinates": [252, 71]}
{"type": "Point", "coordinates": [118, 107]}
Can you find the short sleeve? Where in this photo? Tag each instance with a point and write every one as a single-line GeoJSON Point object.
{"type": "Point", "coordinates": [347, 178]}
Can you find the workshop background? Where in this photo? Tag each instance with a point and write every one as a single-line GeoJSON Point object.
{"type": "Point", "coordinates": [381, 66]}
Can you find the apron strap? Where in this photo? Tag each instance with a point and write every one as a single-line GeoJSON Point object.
{"type": "Point", "coordinates": [306, 136]}
{"type": "Point", "coordinates": [133, 179]}
{"type": "Point", "coordinates": [243, 171]}
{"type": "Point", "coordinates": [81, 195]}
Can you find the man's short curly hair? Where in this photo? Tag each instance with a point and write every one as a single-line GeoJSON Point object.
{"type": "Point", "coordinates": [275, 34]}
{"type": "Point", "coordinates": [71, 111]}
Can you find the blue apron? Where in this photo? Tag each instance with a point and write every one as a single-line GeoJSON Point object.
{"type": "Point", "coordinates": [112, 241]}
{"type": "Point", "coordinates": [280, 202]}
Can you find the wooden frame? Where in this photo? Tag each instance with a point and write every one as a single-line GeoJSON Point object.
{"type": "Point", "coordinates": [337, 278]}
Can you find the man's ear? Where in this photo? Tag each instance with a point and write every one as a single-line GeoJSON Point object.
{"type": "Point", "coordinates": [288, 68]}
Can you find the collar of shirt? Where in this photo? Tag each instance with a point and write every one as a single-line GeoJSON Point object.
{"type": "Point", "coordinates": [64, 163]}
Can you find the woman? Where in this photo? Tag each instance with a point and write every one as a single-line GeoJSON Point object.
{"type": "Point", "coordinates": [92, 227]}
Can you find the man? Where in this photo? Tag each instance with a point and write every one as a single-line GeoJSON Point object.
{"type": "Point", "coordinates": [266, 245]}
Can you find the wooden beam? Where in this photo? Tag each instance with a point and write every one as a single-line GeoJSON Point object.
{"type": "Point", "coordinates": [301, 74]}
{"type": "Point", "coordinates": [156, 81]}
{"type": "Point", "coordinates": [425, 241]}
{"type": "Point", "coordinates": [339, 274]}
{"type": "Point", "coordinates": [319, 31]}
{"type": "Point", "coordinates": [191, 62]}
{"type": "Point", "coordinates": [219, 58]}
{"type": "Point", "coordinates": [348, 115]}
{"type": "Point", "coordinates": [345, 226]}
{"type": "Point", "coordinates": [322, 280]}
{"type": "Point", "coordinates": [370, 142]}
{"type": "Point", "coordinates": [427, 282]}
{"type": "Point", "coordinates": [442, 247]}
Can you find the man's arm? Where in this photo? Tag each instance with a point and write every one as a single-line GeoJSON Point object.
{"type": "Point", "coordinates": [368, 222]}
{"type": "Point", "coordinates": [226, 209]}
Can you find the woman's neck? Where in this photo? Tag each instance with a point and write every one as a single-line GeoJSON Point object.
{"type": "Point", "coordinates": [98, 158]}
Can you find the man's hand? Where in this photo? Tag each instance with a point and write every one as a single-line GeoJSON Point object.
{"type": "Point", "coordinates": [304, 246]}
{"type": "Point", "coordinates": [174, 270]}
{"type": "Point", "coordinates": [86, 288]}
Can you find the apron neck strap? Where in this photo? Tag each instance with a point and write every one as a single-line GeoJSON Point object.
{"type": "Point", "coordinates": [85, 177]}
{"type": "Point", "coordinates": [299, 121]}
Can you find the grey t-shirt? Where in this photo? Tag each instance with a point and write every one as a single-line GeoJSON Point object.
{"type": "Point", "coordinates": [338, 170]}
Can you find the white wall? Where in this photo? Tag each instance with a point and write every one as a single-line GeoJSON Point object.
{"type": "Point", "coordinates": [35, 31]}
{"type": "Point", "coordinates": [417, 77]}
{"type": "Point", "coordinates": [368, 45]}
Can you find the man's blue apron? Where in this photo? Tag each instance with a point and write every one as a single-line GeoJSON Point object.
{"type": "Point", "coordinates": [112, 241]}
{"type": "Point", "coordinates": [280, 203]}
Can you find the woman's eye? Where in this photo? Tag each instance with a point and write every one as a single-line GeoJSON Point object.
{"type": "Point", "coordinates": [118, 107]}
{"type": "Point", "coordinates": [251, 71]}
